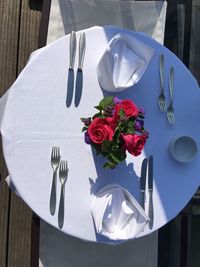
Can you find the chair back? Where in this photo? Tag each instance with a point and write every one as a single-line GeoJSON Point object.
{"type": "Point", "coordinates": [144, 16]}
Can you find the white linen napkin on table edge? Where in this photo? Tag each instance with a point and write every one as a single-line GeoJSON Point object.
{"type": "Point", "coordinates": [117, 214]}
{"type": "Point", "coordinates": [123, 63]}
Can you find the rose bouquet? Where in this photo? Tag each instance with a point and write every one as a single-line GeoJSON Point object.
{"type": "Point", "coordinates": [116, 128]}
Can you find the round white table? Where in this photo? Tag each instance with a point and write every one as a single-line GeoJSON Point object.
{"type": "Point", "coordinates": [34, 117]}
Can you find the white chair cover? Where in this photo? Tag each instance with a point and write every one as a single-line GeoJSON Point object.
{"type": "Point", "coordinates": [60, 250]}
{"type": "Point", "coordinates": [144, 16]}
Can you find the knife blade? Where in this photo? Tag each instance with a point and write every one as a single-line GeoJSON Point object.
{"type": "Point", "coordinates": [143, 181]}
{"type": "Point", "coordinates": [150, 188]}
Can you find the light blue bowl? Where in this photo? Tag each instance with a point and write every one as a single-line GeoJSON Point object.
{"type": "Point", "coordinates": [183, 149]}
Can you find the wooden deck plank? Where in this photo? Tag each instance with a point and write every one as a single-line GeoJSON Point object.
{"type": "Point", "coordinates": [19, 28]}
{"type": "Point", "coordinates": [19, 249]}
{"type": "Point", "coordinates": [20, 213]}
{"type": "Point", "coordinates": [9, 28]}
{"type": "Point", "coordinates": [29, 30]}
{"type": "Point", "coordinates": [4, 217]}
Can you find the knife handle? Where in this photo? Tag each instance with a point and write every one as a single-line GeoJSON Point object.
{"type": "Point", "coordinates": [171, 83]}
{"type": "Point", "coordinates": [82, 44]}
{"type": "Point", "coordinates": [151, 213]}
{"type": "Point", "coordinates": [72, 50]}
{"type": "Point", "coordinates": [161, 69]}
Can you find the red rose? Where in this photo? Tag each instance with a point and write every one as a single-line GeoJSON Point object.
{"type": "Point", "coordinates": [129, 108]}
{"type": "Point", "coordinates": [134, 143]}
{"type": "Point", "coordinates": [101, 129]}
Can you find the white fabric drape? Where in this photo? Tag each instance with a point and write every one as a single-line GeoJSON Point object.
{"type": "Point", "coordinates": [144, 16]}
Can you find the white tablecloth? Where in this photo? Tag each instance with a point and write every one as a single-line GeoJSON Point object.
{"type": "Point", "coordinates": [35, 118]}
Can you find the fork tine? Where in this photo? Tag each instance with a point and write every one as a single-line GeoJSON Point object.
{"type": "Point", "coordinates": [61, 166]}
{"type": "Point", "coordinates": [53, 152]}
{"type": "Point", "coordinates": [55, 149]}
{"type": "Point", "coordinates": [57, 155]}
{"type": "Point", "coordinates": [170, 121]}
{"type": "Point", "coordinates": [65, 165]}
{"type": "Point", "coordinates": [162, 106]}
{"type": "Point", "coordinates": [58, 151]}
{"type": "Point", "coordinates": [165, 107]}
{"type": "Point", "coordinates": [168, 118]}
{"type": "Point", "coordinates": [173, 119]}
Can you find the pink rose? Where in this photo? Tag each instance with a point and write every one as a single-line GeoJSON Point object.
{"type": "Point", "coordinates": [134, 143]}
{"type": "Point", "coordinates": [129, 108]}
{"type": "Point", "coordinates": [101, 129]}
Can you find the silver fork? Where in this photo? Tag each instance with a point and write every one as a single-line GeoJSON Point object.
{"type": "Point", "coordinates": [161, 98]}
{"type": "Point", "coordinates": [55, 160]}
{"type": "Point", "coordinates": [170, 110]}
{"type": "Point", "coordinates": [63, 175]}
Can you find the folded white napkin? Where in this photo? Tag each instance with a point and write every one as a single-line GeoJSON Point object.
{"type": "Point", "coordinates": [117, 214]}
{"type": "Point", "coordinates": [123, 63]}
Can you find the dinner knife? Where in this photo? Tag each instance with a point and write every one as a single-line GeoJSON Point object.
{"type": "Point", "coordinates": [79, 75]}
{"type": "Point", "coordinates": [143, 181]}
{"type": "Point", "coordinates": [70, 83]}
{"type": "Point", "coordinates": [150, 188]}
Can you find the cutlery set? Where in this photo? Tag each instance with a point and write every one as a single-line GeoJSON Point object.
{"type": "Point", "coordinates": [60, 168]}
{"type": "Point", "coordinates": [147, 163]}
{"type": "Point", "coordinates": [162, 99]}
{"type": "Point", "coordinates": [79, 76]}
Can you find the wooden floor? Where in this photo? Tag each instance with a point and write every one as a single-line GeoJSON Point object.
{"type": "Point", "coordinates": [20, 34]}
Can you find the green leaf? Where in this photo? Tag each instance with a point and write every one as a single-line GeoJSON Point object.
{"type": "Point", "coordinates": [84, 119]}
{"type": "Point", "coordinates": [117, 156]}
{"type": "Point", "coordinates": [109, 165]}
{"type": "Point", "coordinates": [121, 155]}
{"type": "Point", "coordinates": [99, 108]}
{"type": "Point", "coordinates": [121, 112]}
{"type": "Point", "coordinates": [106, 146]}
{"type": "Point", "coordinates": [117, 134]}
{"type": "Point", "coordinates": [114, 158]}
{"type": "Point", "coordinates": [84, 128]}
{"type": "Point", "coordinates": [106, 101]}
{"type": "Point", "coordinates": [130, 131]}
{"type": "Point", "coordinates": [130, 124]}
{"type": "Point", "coordinates": [98, 115]}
